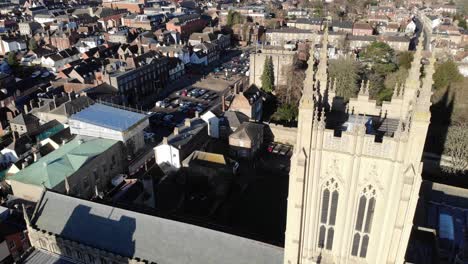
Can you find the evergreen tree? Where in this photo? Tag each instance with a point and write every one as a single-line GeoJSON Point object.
{"type": "Point", "coordinates": [32, 45]}
{"type": "Point", "coordinates": [267, 77]}
{"type": "Point", "coordinates": [346, 73]}
{"type": "Point", "coordinates": [11, 59]}
{"type": "Point", "coordinates": [446, 73]}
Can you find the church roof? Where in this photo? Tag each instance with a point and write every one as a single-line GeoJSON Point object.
{"type": "Point", "coordinates": [131, 234]}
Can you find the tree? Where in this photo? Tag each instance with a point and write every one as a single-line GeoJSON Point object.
{"type": "Point", "coordinates": [379, 58]}
{"type": "Point", "coordinates": [267, 77]}
{"type": "Point", "coordinates": [404, 59]}
{"type": "Point", "coordinates": [346, 73]}
{"type": "Point", "coordinates": [233, 18]}
{"type": "Point", "coordinates": [286, 112]}
{"type": "Point", "coordinates": [461, 20]}
{"type": "Point", "coordinates": [32, 45]}
{"type": "Point", "coordinates": [378, 53]}
{"type": "Point", "coordinates": [292, 92]}
{"type": "Point", "coordinates": [11, 59]}
{"type": "Point", "coordinates": [456, 147]}
{"type": "Point", "coordinates": [398, 77]}
{"type": "Point", "coordinates": [446, 74]}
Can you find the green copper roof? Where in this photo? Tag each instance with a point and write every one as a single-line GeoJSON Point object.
{"type": "Point", "coordinates": [52, 169]}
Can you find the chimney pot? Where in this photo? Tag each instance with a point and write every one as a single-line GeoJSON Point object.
{"type": "Point", "coordinates": [187, 122]}
{"type": "Point", "coordinates": [176, 130]}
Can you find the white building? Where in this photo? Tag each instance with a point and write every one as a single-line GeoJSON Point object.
{"type": "Point", "coordinates": [11, 45]}
{"type": "Point", "coordinates": [213, 124]}
{"type": "Point", "coordinates": [103, 121]}
{"type": "Point", "coordinates": [180, 144]}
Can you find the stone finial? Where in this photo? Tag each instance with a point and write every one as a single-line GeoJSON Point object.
{"type": "Point", "coordinates": [425, 94]}
{"type": "Point", "coordinates": [67, 186]}
{"type": "Point", "coordinates": [25, 215]}
{"type": "Point", "coordinates": [96, 191]}
{"type": "Point", "coordinates": [361, 89]}
{"type": "Point", "coordinates": [322, 119]}
{"type": "Point", "coordinates": [316, 115]}
{"type": "Point", "coordinates": [366, 91]}
{"type": "Point", "coordinates": [396, 90]}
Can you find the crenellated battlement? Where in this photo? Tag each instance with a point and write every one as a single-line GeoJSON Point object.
{"type": "Point", "coordinates": [352, 142]}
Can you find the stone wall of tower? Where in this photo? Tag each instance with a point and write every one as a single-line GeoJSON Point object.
{"type": "Point", "coordinates": [282, 60]}
{"type": "Point", "coordinates": [355, 161]}
{"type": "Point", "coordinates": [352, 198]}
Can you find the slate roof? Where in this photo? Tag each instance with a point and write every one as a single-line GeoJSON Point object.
{"type": "Point", "coordinates": [52, 169]}
{"type": "Point", "coordinates": [108, 117]}
{"type": "Point", "coordinates": [310, 21]}
{"type": "Point", "coordinates": [247, 130]}
{"type": "Point", "coordinates": [187, 134]}
{"type": "Point", "coordinates": [155, 239]}
{"type": "Point", "coordinates": [24, 119]}
{"type": "Point", "coordinates": [234, 119]}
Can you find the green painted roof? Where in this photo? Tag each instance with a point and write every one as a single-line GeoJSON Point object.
{"type": "Point", "coordinates": [52, 169]}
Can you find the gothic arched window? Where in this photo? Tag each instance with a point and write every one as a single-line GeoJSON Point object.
{"type": "Point", "coordinates": [362, 229]}
{"type": "Point", "coordinates": [329, 206]}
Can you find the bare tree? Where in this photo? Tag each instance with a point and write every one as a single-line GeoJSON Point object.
{"type": "Point", "coordinates": [291, 92]}
{"type": "Point", "coordinates": [456, 147]}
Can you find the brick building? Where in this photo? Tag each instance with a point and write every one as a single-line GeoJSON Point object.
{"type": "Point", "coordinates": [186, 25]}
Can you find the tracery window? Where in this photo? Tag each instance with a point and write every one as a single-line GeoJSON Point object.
{"type": "Point", "coordinates": [329, 206]}
{"type": "Point", "coordinates": [362, 229]}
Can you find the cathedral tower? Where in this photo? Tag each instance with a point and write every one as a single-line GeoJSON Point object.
{"type": "Point", "coordinates": [355, 173]}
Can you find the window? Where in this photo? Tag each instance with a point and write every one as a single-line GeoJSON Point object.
{"type": "Point", "coordinates": [91, 258]}
{"type": "Point", "coordinates": [86, 182]}
{"type": "Point", "coordinates": [96, 175]}
{"type": "Point", "coordinates": [363, 226]}
{"type": "Point", "coordinates": [329, 206]}
{"type": "Point", "coordinates": [68, 251]}
{"type": "Point", "coordinates": [11, 244]}
{"type": "Point", "coordinates": [103, 261]}
{"type": "Point", "coordinates": [79, 255]}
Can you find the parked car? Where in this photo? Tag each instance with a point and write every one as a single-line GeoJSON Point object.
{"type": "Point", "coordinates": [35, 74]}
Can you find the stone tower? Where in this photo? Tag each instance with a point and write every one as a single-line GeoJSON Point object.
{"type": "Point", "coordinates": [356, 170]}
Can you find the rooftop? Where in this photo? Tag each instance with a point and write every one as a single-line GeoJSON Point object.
{"type": "Point", "coordinates": [186, 134]}
{"type": "Point", "coordinates": [108, 117]}
{"type": "Point", "coordinates": [52, 169]}
{"type": "Point", "coordinates": [147, 237]}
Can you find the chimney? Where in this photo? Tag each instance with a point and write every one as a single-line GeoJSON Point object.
{"type": "Point", "coordinates": [223, 103]}
{"type": "Point", "coordinates": [188, 122]}
{"type": "Point", "coordinates": [33, 104]}
{"type": "Point", "coordinates": [197, 114]}
{"type": "Point", "coordinates": [55, 100]}
{"type": "Point", "coordinates": [165, 141]}
{"type": "Point", "coordinates": [15, 135]}
{"type": "Point", "coordinates": [25, 107]}
{"type": "Point", "coordinates": [176, 130]}
{"type": "Point", "coordinates": [36, 155]}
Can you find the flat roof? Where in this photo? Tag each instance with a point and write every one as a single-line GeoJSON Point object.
{"type": "Point", "coordinates": [108, 117]}
{"type": "Point", "coordinates": [52, 169]}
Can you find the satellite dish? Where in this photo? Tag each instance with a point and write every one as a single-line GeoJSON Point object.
{"type": "Point", "coordinates": [3, 90]}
